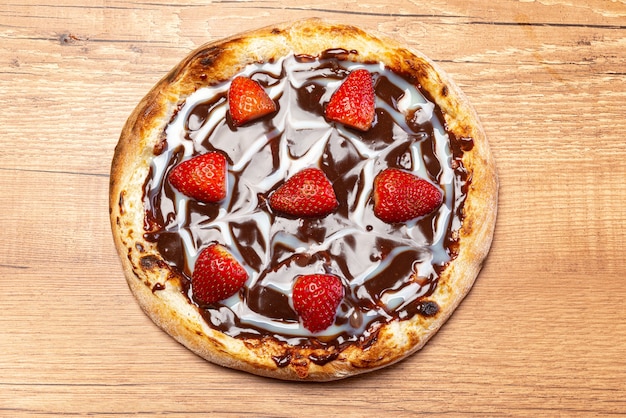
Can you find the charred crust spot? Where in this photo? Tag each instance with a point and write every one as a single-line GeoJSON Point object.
{"type": "Point", "coordinates": [139, 247]}
{"type": "Point", "coordinates": [136, 274]}
{"type": "Point", "coordinates": [210, 55]}
{"type": "Point", "coordinates": [414, 73]}
{"type": "Point", "coordinates": [276, 31]}
{"type": "Point", "coordinates": [428, 309]}
{"type": "Point", "coordinates": [149, 262]}
{"type": "Point", "coordinates": [444, 91]}
{"type": "Point", "coordinates": [120, 203]}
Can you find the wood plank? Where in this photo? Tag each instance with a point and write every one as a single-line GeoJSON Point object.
{"type": "Point", "coordinates": [541, 333]}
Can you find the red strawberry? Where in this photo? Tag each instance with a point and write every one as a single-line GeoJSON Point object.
{"type": "Point", "coordinates": [308, 193]}
{"type": "Point", "coordinates": [247, 101]}
{"type": "Point", "coordinates": [400, 196]}
{"type": "Point", "coordinates": [315, 299]}
{"type": "Point", "coordinates": [353, 103]}
{"type": "Point", "coordinates": [217, 275]}
{"type": "Point", "coordinates": [202, 178]}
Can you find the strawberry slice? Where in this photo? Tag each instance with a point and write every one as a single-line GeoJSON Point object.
{"type": "Point", "coordinates": [217, 275]}
{"type": "Point", "coordinates": [307, 193]}
{"type": "Point", "coordinates": [353, 104]}
{"type": "Point", "coordinates": [400, 196]}
{"type": "Point", "coordinates": [202, 177]}
{"type": "Point", "coordinates": [315, 299]}
{"type": "Point", "coordinates": [248, 101]}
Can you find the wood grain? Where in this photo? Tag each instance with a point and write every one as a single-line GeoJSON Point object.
{"type": "Point", "coordinates": [543, 332]}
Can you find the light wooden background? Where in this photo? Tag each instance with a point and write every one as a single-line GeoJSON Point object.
{"type": "Point", "coordinates": [543, 332]}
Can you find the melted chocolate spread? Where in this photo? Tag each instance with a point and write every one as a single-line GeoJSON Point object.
{"type": "Point", "coordinates": [388, 270]}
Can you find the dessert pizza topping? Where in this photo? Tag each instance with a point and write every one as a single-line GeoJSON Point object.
{"type": "Point", "coordinates": [248, 101]}
{"type": "Point", "coordinates": [353, 102]}
{"type": "Point", "coordinates": [377, 261]}
{"type": "Point", "coordinates": [217, 275]}
{"type": "Point", "coordinates": [202, 178]}
{"type": "Point", "coordinates": [315, 299]}
{"type": "Point", "coordinates": [400, 196]}
{"type": "Point", "coordinates": [308, 193]}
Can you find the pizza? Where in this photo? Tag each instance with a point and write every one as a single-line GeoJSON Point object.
{"type": "Point", "coordinates": [306, 201]}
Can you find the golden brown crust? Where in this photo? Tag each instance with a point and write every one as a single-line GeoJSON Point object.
{"type": "Point", "coordinates": [146, 271]}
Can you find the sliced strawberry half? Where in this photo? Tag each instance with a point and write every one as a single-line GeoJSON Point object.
{"type": "Point", "coordinates": [217, 275]}
{"type": "Point", "coordinates": [307, 193]}
{"type": "Point", "coordinates": [315, 300]}
{"type": "Point", "coordinates": [247, 101]}
{"type": "Point", "coordinates": [400, 196]}
{"type": "Point", "coordinates": [202, 177]}
{"type": "Point", "coordinates": [353, 104]}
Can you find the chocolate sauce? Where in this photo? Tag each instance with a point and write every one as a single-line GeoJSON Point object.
{"type": "Point", "coordinates": [388, 270]}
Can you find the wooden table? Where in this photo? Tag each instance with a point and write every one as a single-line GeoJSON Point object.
{"type": "Point", "coordinates": [543, 332]}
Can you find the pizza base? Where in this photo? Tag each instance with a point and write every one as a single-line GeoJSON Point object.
{"type": "Point", "coordinates": [157, 288]}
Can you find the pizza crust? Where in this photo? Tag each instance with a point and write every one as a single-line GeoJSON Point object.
{"type": "Point", "coordinates": [158, 288]}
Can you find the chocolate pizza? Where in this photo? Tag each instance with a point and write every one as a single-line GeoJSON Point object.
{"type": "Point", "coordinates": [307, 201]}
